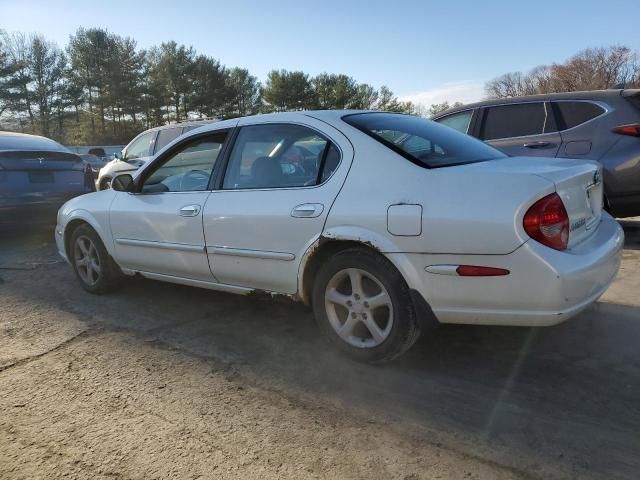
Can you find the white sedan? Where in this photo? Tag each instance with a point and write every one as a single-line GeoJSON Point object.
{"type": "Point", "coordinates": [383, 223]}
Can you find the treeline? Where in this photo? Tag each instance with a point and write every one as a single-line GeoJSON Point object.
{"type": "Point", "coordinates": [590, 69]}
{"type": "Point", "coordinates": [101, 88]}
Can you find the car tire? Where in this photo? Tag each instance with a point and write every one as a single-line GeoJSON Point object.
{"type": "Point", "coordinates": [96, 271]}
{"type": "Point", "coordinates": [356, 320]}
{"type": "Point", "coordinates": [105, 183]}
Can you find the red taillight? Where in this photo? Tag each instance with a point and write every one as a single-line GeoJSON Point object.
{"type": "Point", "coordinates": [548, 223]}
{"type": "Point", "coordinates": [632, 129]}
{"type": "Point", "coordinates": [476, 271]}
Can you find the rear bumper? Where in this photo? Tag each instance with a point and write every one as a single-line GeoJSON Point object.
{"type": "Point", "coordinates": [33, 209]}
{"type": "Point", "coordinates": [545, 286]}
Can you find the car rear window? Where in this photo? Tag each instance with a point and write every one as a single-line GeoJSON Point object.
{"type": "Point", "coordinates": [573, 114]}
{"type": "Point", "coordinates": [422, 141]}
{"type": "Point", "coordinates": [36, 155]}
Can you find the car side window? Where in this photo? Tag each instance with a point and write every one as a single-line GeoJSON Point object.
{"type": "Point", "coordinates": [140, 147]}
{"type": "Point", "coordinates": [516, 120]}
{"type": "Point", "coordinates": [458, 121]}
{"type": "Point", "coordinates": [573, 114]}
{"type": "Point", "coordinates": [189, 168]}
{"type": "Point", "coordinates": [279, 156]}
{"type": "Point", "coordinates": [166, 136]}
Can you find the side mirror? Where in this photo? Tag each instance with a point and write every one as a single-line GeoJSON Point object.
{"type": "Point", "coordinates": [123, 183]}
{"type": "Point", "coordinates": [117, 155]}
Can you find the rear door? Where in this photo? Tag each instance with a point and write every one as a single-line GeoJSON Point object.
{"type": "Point", "coordinates": [280, 182]}
{"type": "Point", "coordinates": [521, 129]}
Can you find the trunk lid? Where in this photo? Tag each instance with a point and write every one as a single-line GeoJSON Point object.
{"type": "Point", "coordinates": [577, 182]}
{"type": "Point", "coordinates": [42, 173]}
{"type": "Point", "coordinates": [39, 161]}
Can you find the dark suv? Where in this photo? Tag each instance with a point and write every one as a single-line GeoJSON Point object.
{"type": "Point", "coordinates": [602, 125]}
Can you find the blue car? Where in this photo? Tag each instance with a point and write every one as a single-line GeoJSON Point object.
{"type": "Point", "coordinates": [37, 175]}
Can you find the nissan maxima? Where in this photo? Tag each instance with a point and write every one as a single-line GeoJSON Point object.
{"type": "Point", "coordinates": [382, 223]}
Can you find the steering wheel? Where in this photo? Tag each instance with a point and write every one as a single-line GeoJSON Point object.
{"type": "Point", "coordinates": [197, 178]}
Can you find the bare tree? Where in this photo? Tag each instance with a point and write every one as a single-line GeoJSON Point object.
{"type": "Point", "coordinates": [590, 69]}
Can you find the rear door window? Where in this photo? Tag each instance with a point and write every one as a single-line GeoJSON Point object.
{"type": "Point", "coordinates": [279, 156]}
{"type": "Point", "coordinates": [166, 136]}
{"type": "Point", "coordinates": [572, 114]}
{"type": "Point", "coordinates": [516, 120]}
{"type": "Point", "coordinates": [458, 121]}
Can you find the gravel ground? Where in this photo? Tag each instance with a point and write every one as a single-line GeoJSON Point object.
{"type": "Point", "coordinates": [165, 381]}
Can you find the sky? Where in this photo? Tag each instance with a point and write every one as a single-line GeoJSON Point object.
{"type": "Point", "coordinates": [425, 51]}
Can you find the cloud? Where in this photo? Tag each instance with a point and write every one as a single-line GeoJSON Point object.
{"type": "Point", "coordinates": [465, 92]}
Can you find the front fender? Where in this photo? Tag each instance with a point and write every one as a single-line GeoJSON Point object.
{"type": "Point", "coordinates": [88, 217]}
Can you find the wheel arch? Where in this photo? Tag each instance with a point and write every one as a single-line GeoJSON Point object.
{"type": "Point", "coordinates": [83, 217]}
{"type": "Point", "coordinates": [341, 238]}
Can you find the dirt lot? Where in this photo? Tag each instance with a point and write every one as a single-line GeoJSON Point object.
{"type": "Point", "coordinates": [161, 381]}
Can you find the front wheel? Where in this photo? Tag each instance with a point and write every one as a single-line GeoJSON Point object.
{"type": "Point", "coordinates": [363, 305]}
{"type": "Point", "coordinates": [94, 267]}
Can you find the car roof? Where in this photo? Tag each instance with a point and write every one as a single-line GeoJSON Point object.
{"type": "Point", "coordinates": [181, 124]}
{"type": "Point", "coordinates": [582, 95]}
{"type": "Point", "coordinates": [329, 116]}
{"type": "Point", "coordinates": [12, 141]}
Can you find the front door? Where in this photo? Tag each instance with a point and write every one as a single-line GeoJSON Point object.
{"type": "Point", "coordinates": [280, 182]}
{"type": "Point", "coordinates": [159, 229]}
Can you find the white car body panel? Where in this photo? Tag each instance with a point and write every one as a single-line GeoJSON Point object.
{"type": "Point", "coordinates": [149, 234]}
{"type": "Point", "coordinates": [425, 221]}
{"type": "Point", "coordinates": [253, 239]}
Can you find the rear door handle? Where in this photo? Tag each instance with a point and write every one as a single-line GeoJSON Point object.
{"type": "Point", "coordinates": [540, 144]}
{"type": "Point", "coordinates": [307, 210]}
{"type": "Point", "coordinates": [189, 211]}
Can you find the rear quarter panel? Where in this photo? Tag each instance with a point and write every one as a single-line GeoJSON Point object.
{"type": "Point", "coordinates": [463, 210]}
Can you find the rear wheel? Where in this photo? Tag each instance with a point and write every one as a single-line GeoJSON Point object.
{"type": "Point", "coordinates": [94, 267]}
{"type": "Point", "coordinates": [363, 305]}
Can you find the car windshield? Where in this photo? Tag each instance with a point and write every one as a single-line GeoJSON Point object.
{"type": "Point", "coordinates": [422, 141]}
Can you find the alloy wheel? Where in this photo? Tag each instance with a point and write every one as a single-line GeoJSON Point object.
{"type": "Point", "coordinates": [359, 308]}
{"type": "Point", "coordinates": [86, 260]}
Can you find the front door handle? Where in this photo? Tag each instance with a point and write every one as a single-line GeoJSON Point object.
{"type": "Point", "coordinates": [189, 211]}
{"type": "Point", "coordinates": [541, 144]}
{"type": "Point", "coordinates": [307, 210]}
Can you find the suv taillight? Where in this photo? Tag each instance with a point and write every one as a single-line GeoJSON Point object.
{"type": "Point", "coordinates": [632, 129]}
{"type": "Point", "coordinates": [548, 223]}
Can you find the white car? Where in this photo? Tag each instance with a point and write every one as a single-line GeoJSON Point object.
{"type": "Point", "coordinates": [381, 222]}
{"type": "Point", "coordinates": [141, 149]}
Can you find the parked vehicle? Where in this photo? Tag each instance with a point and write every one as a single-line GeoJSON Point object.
{"type": "Point", "coordinates": [379, 221]}
{"type": "Point", "coordinates": [96, 163]}
{"type": "Point", "coordinates": [142, 148]}
{"type": "Point", "coordinates": [98, 152]}
{"type": "Point", "coordinates": [37, 175]}
{"type": "Point", "coordinates": [601, 125]}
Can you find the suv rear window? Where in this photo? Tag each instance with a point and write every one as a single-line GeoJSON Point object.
{"type": "Point", "coordinates": [573, 114]}
{"type": "Point", "coordinates": [421, 141]}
